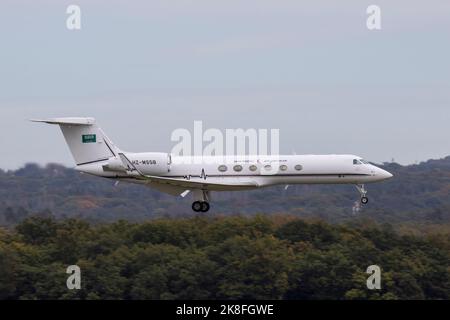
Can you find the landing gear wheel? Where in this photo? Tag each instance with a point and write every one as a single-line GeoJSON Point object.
{"type": "Point", "coordinates": [205, 206]}
{"type": "Point", "coordinates": [362, 192]}
{"type": "Point", "coordinates": [197, 206]}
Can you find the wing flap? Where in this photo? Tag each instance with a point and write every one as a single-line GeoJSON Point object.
{"type": "Point", "coordinates": [167, 188]}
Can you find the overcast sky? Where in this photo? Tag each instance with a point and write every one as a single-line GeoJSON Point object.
{"type": "Point", "coordinates": [312, 70]}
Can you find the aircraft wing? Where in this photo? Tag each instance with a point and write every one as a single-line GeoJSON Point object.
{"type": "Point", "coordinates": [201, 183]}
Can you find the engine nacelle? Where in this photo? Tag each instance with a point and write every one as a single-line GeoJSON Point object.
{"type": "Point", "coordinates": [114, 164]}
{"type": "Point", "coordinates": [148, 163]}
{"type": "Point", "coordinates": [151, 163]}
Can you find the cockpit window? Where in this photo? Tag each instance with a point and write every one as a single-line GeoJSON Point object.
{"type": "Point", "coordinates": [360, 161]}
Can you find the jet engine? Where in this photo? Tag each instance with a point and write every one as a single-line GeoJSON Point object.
{"type": "Point", "coordinates": [149, 163]}
{"type": "Point", "coordinates": [114, 164]}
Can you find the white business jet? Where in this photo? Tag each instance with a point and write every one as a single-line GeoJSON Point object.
{"type": "Point", "coordinates": [95, 154]}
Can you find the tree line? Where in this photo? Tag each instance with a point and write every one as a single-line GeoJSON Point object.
{"type": "Point", "coordinates": [260, 257]}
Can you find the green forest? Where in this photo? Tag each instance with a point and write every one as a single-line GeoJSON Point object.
{"type": "Point", "coordinates": [259, 257]}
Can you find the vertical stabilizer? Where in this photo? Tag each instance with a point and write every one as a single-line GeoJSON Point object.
{"type": "Point", "coordinates": [86, 140]}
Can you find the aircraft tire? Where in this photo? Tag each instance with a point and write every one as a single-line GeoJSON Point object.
{"type": "Point", "coordinates": [205, 206]}
{"type": "Point", "coordinates": [364, 200]}
{"type": "Point", "coordinates": [197, 206]}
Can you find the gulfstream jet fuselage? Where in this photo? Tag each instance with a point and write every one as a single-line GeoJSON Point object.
{"type": "Point", "coordinates": [96, 154]}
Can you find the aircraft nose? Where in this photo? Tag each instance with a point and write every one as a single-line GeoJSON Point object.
{"type": "Point", "coordinates": [385, 174]}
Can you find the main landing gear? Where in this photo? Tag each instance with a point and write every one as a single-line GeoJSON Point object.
{"type": "Point", "coordinates": [200, 206]}
{"type": "Point", "coordinates": [201, 203]}
{"type": "Point", "coordinates": [362, 192]}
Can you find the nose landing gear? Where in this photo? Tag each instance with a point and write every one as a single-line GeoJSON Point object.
{"type": "Point", "coordinates": [362, 192]}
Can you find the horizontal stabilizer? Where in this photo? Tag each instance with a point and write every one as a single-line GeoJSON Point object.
{"type": "Point", "coordinates": [68, 121]}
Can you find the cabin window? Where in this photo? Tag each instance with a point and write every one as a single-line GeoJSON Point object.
{"type": "Point", "coordinates": [283, 167]}
{"type": "Point", "coordinates": [222, 168]}
{"type": "Point", "coordinates": [237, 168]}
{"type": "Point", "coordinates": [298, 167]}
{"type": "Point", "coordinates": [268, 167]}
{"type": "Point", "coordinates": [253, 167]}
